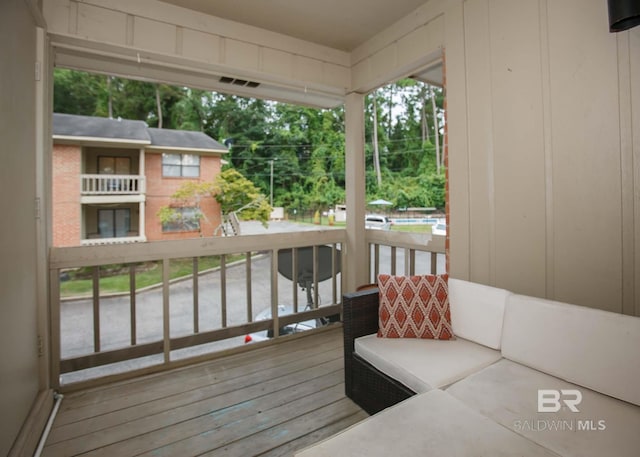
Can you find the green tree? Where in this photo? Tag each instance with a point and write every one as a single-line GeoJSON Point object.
{"type": "Point", "coordinates": [88, 94]}
{"type": "Point", "coordinates": [230, 189]}
{"type": "Point", "coordinates": [76, 92]}
{"type": "Point", "coordinates": [305, 145]}
{"type": "Point", "coordinates": [237, 194]}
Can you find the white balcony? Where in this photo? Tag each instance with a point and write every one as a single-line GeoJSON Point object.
{"type": "Point", "coordinates": [114, 240]}
{"type": "Point", "coordinates": [112, 184]}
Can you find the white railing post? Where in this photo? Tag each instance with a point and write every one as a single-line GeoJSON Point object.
{"type": "Point", "coordinates": [92, 184]}
{"type": "Point", "coordinates": [142, 228]}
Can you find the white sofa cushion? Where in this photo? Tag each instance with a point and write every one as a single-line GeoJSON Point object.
{"type": "Point", "coordinates": [593, 348]}
{"type": "Point", "coordinates": [477, 311]}
{"type": "Point", "coordinates": [423, 364]}
{"type": "Point", "coordinates": [507, 393]}
{"type": "Point", "coordinates": [430, 424]}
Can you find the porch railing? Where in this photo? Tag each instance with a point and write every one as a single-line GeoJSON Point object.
{"type": "Point", "coordinates": [110, 241]}
{"type": "Point", "coordinates": [404, 253]}
{"type": "Point", "coordinates": [112, 184]}
{"type": "Point", "coordinates": [175, 321]}
{"type": "Point", "coordinates": [148, 329]}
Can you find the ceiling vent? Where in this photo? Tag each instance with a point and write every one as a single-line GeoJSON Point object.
{"type": "Point", "coordinates": [239, 82]}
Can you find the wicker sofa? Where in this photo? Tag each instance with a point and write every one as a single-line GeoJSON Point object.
{"type": "Point", "coordinates": [525, 376]}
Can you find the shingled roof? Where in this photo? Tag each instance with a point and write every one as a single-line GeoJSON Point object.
{"type": "Point", "coordinates": [72, 126]}
{"type": "Point", "coordinates": [184, 139]}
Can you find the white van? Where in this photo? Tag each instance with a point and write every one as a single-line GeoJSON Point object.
{"type": "Point", "coordinates": [377, 222]}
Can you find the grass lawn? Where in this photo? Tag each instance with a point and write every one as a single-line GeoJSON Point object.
{"type": "Point", "coordinates": [115, 278]}
{"type": "Point", "coordinates": [415, 228]}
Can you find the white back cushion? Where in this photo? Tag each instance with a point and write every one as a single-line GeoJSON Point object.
{"type": "Point", "coordinates": [590, 347]}
{"type": "Point", "coordinates": [477, 311]}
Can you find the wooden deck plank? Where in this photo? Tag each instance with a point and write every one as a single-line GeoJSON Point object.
{"type": "Point", "coordinates": [194, 374]}
{"type": "Point", "coordinates": [231, 374]}
{"type": "Point", "coordinates": [229, 433]}
{"type": "Point", "coordinates": [150, 422]}
{"type": "Point", "coordinates": [172, 402]}
{"type": "Point", "coordinates": [207, 422]}
{"type": "Point", "coordinates": [285, 432]}
{"type": "Point", "coordinates": [273, 401]}
{"type": "Point", "coordinates": [316, 436]}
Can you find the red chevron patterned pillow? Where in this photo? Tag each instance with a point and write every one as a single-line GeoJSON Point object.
{"type": "Point", "coordinates": [414, 307]}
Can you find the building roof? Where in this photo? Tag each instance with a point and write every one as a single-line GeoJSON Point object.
{"type": "Point", "coordinates": [71, 125]}
{"type": "Point", "coordinates": [75, 127]}
{"type": "Point", "coordinates": [184, 139]}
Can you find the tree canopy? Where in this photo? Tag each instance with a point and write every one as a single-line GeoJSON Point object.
{"type": "Point", "coordinates": [305, 147]}
{"type": "Point", "coordinates": [230, 189]}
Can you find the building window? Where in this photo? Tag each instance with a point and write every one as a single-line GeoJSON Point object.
{"type": "Point", "coordinates": [183, 220]}
{"type": "Point", "coordinates": [114, 165]}
{"type": "Point", "coordinates": [181, 165]}
{"type": "Point", "coordinates": [114, 223]}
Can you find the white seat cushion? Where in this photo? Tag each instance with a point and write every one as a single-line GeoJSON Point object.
{"type": "Point", "coordinates": [507, 393]}
{"type": "Point", "coordinates": [594, 348]}
{"type": "Point", "coordinates": [423, 364]}
{"type": "Point", "coordinates": [477, 311]}
{"type": "Point", "coordinates": [429, 424]}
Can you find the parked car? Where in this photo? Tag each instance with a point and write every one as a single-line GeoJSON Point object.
{"type": "Point", "coordinates": [285, 330]}
{"type": "Point", "coordinates": [439, 229]}
{"type": "Point", "coordinates": [377, 222]}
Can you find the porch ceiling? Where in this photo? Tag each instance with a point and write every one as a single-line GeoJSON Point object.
{"type": "Point", "coordinates": [339, 24]}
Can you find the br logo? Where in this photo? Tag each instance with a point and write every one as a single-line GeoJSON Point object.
{"type": "Point", "coordinates": [552, 400]}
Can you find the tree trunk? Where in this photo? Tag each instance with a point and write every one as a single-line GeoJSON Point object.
{"type": "Point", "coordinates": [376, 154]}
{"type": "Point", "coordinates": [109, 97]}
{"type": "Point", "coordinates": [424, 125]}
{"type": "Point", "coordinates": [436, 129]}
{"type": "Point", "coordinates": [390, 123]}
{"type": "Point", "coordinates": [159, 106]}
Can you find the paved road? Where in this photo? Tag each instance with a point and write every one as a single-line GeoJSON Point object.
{"type": "Point", "coordinates": [77, 316]}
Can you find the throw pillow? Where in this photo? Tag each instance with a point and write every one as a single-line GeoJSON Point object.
{"type": "Point", "coordinates": [414, 307]}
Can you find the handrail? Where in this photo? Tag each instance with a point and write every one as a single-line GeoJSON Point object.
{"type": "Point", "coordinates": [76, 256]}
{"type": "Point", "coordinates": [111, 241]}
{"type": "Point", "coordinates": [418, 252]}
{"type": "Point", "coordinates": [409, 244]}
{"type": "Point", "coordinates": [101, 184]}
{"type": "Point", "coordinates": [103, 351]}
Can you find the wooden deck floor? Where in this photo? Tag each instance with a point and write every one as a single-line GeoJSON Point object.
{"type": "Point", "coordinates": [270, 402]}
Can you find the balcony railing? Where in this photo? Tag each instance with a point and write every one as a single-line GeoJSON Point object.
{"type": "Point", "coordinates": [112, 184]}
{"type": "Point", "coordinates": [405, 253]}
{"type": "Point", "coordinates": [148, 329]}
{"type": "Point", "coordinates": [94, 241]}
{"type": "Point", "coordinates": [205, 312]}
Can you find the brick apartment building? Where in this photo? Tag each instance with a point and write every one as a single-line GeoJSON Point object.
{"type": "Point", "coordinates": [111, 177]}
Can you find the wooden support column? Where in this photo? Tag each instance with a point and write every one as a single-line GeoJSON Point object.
{"type": "Point", "coordinates": [355, 264]}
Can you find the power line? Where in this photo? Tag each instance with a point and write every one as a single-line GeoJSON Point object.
{"type": "Point", "coordinates": [315, 145]}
